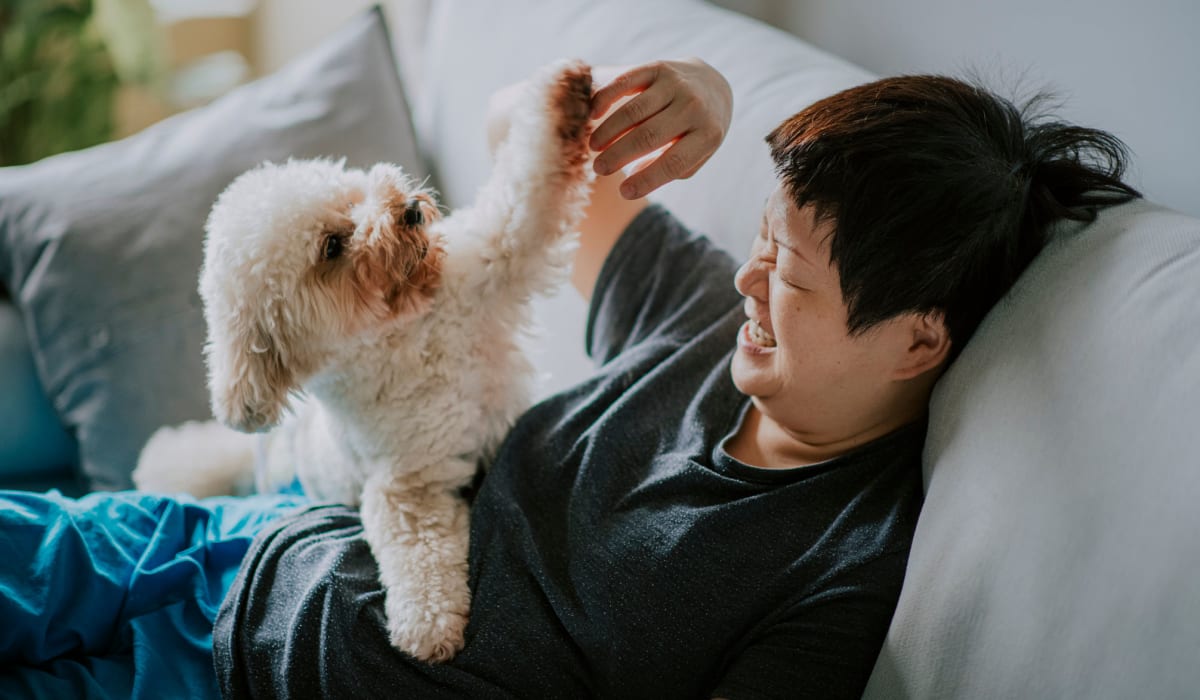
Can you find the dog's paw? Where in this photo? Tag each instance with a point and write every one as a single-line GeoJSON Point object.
{"type": "Point", "coordinates": [570, 101]}
{"type": "Point", "coordinates": [428, 635]}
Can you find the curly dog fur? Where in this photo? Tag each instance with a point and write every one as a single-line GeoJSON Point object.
{"type": "Point", "coordinates": [389, 333]}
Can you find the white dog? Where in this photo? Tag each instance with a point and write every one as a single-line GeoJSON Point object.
{"type": "Point", "coordinates": [400, 327]}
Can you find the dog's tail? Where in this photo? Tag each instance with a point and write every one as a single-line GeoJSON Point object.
{"type": "Point", "coordinates": [197, 458]}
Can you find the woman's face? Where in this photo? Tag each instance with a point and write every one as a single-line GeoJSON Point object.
{"type": "Point", "coordinates": [795, 357]}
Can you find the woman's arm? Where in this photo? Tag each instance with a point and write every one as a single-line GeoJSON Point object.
{"type": "Point", "coordinates": [607, 216]}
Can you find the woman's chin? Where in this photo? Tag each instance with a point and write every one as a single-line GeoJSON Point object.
{"type": "Point", "coordinates": [749, 376]}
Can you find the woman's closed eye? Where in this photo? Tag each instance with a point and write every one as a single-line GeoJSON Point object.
{"type": "Point", "coordinates": [786, 272]}
{"type": "Point", "coordinates": [794, 285]}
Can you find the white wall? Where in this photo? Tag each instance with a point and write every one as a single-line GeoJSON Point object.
{"type": "Point", "coordinates": [283, 29]}
{"type": "Point", "coordinates": [1131, 67]}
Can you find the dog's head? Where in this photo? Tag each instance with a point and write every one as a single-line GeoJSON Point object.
{"type": "Point", "coordinates": [299, 259]}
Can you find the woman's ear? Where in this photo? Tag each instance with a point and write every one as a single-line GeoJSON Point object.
{"type": "Point", "coordinates": [248, 378]}
{"type": "Point", "coordinates": [927, 340]}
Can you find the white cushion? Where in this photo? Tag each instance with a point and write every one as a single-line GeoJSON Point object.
{"type": "Point", "coordinates": [1057, 555]}
{"type": "Point", "coordinates": [476, 46]}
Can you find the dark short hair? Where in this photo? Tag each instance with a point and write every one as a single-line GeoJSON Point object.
{"type": "Point", "coordinates": [940, 192]}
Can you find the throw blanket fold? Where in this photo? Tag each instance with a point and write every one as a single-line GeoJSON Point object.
{"type": "Point", "coordinates": [114, 595]}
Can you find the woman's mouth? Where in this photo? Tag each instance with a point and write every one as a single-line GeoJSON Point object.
{"type": "Point", "coordinates": [754, 337]}
{"type": "Point", "coordinates": [759, 335]}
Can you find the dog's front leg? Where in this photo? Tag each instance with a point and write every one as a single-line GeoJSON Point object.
{"type": "Point", "coordinates": [418, 534]}
{"type": "Point", "coordinates": [538, 188]}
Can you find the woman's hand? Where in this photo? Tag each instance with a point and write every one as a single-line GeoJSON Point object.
{"type": "Point", "coordinates": [684, 106]}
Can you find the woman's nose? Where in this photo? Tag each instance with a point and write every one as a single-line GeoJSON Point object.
{"type": "Point", "coordinates": [750, 277]}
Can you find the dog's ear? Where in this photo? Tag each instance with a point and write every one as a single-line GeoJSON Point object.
{"type": "Point", "coordinates": [248, 378]}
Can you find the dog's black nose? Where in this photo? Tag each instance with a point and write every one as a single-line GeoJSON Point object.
{"type": "Point", "coordinates": [413, 215]}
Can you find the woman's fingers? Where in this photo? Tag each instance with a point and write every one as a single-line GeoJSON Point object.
{"type": "Point", "coordinates": [644, 138]}
{"type": "Point", "coordinates": [627, 83]}
{"type": "Point", "coordinates": [675, 115]}
{"type": "Point", "coordinates": [678, 162]}
{"type": "Point", "coordinates": [637, 110]}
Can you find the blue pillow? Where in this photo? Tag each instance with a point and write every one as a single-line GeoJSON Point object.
{"type": "Point", "coordinates": [101, 248]}
{"type": "Point", "coordinates": [33, 444]}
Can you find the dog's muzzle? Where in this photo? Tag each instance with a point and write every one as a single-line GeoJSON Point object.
{"type": "Point", "coordinates": [412, 213]}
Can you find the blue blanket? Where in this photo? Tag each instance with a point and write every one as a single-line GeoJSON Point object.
{"type": "Point", "coordinates": [114, 594]}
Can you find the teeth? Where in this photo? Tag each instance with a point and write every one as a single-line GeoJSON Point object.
{"type": "Point", "coordinates": [760, 336]}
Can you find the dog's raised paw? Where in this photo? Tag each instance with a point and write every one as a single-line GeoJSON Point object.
{"type": "Point", "coordinates": [571, 101]}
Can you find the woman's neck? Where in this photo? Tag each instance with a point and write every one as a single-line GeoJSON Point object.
{"type": "Point", "coordinates": [761, 442]}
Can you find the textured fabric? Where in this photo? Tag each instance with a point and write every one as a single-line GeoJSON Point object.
{"type": "Point", "coordinates": [773, 75]}
{"type": "Point", "coordinates": [1057, 555]}
{"type": "Point", "coordinates": [101, 248]}
{"type": "Point", "coordinates": [616, 549]}
{"type": "Point", "coordinates": [114, 595]}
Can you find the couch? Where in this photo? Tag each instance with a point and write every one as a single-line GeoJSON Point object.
{"type": "Point", "coordinates": [1056, 555]}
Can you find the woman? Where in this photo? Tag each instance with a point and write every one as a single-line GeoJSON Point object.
{"type": "Point", "coordinates": [725, 508]}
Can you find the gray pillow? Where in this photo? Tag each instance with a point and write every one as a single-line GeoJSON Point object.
{"type": "Point", "coordinates": [1058, 551]}
{"type": "Point", "coordinates": [101, 248]}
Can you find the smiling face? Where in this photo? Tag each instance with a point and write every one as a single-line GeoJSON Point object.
{"type": "Point", "coordinates": [815, 383]}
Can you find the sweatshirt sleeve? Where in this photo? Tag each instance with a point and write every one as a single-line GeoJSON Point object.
{"type": "Point", "coordinates": [660, 279]}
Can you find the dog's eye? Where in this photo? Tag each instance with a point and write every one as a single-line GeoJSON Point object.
{"type": "Point", "coordinates": [413, 215]}
{"type": "Point", "coordinates": [333, 247]}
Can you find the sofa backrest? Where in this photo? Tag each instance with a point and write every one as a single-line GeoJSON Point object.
{"type": "Point", "coordinates": [1058, 551]}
